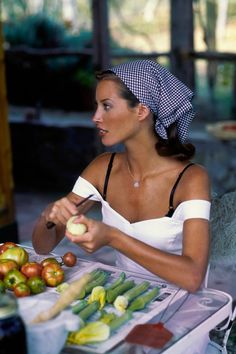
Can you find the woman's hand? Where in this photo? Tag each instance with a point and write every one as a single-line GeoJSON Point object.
{"type": "Point", "coordinates": [96, 236]}
{"type": "Point", "coordinates": [60, 211]}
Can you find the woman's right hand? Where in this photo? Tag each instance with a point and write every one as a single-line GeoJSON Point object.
{"type": "Point", "coordinates": [60, 211]}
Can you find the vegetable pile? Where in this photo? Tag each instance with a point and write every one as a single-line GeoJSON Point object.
{"type": "Point", "coordinates": [104, 305]}
{"type": "Point", "coordinates": [23, 277]}
{"type": "Point", "coordinates": [102, 301]}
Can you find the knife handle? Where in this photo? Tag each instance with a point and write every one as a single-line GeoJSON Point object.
{"type": "Point", "coordinates": [50, 224]}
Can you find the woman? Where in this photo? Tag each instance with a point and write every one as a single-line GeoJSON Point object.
{"type": "Point", "coordinates": [155, 203]}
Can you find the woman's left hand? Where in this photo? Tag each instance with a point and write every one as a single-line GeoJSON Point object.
{"type": "Point", "coordinates": [96, 236]}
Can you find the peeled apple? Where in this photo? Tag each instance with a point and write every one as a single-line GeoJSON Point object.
{"type": "Point", "coordinates": [75, 229]}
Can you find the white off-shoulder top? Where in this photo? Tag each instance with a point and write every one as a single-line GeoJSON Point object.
{"type": "Point", "coordinates": [165, 233]}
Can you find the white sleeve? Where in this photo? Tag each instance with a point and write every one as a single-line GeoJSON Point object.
{"type": "Point", "coordinates": [84, 188]}
{"type": "Point", "coordinates": [192, 209]}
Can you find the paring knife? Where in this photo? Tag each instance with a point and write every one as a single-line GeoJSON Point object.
{"type": "Point", "coordinates": [51, 224]}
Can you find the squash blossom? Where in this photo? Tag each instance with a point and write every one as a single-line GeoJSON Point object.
{"type": "Point", "coordinates": [121, 303]}
{"type": "Point", "coordinates": [91, 333]}
{"type": "Point", "coordinates": [98, 294]}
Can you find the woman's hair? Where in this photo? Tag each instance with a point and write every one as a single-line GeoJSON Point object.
{"type": "Point", "coordinates": [172, 145]}
{"type": "Point", "coordinates": [165, 147]}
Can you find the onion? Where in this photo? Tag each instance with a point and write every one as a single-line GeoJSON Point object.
{"type": "Point", "coordinates": [75, 229]}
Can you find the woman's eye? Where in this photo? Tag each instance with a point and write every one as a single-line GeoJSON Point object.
{"type": "Point", "coordinates": [106, 106]}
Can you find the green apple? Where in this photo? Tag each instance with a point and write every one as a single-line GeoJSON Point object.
{"type": "Point", "coordinates": [76, 229]}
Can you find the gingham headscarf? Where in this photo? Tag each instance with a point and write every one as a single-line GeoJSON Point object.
{"type": "Point", "coordinates": [155, 87]}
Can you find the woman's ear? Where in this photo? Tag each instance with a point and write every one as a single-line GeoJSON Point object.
{"type": "Point", "coordinates": [143, 111]}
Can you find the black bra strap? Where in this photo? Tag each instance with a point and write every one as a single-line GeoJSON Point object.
{"type": "Point", "coordinates": [171, 206]}
{"type": "Point", "coordinates": [109, 167]}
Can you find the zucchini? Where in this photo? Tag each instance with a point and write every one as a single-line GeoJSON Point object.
{"type": "Point", "coordinates": [122, 301]}
{"type": "Point", "coordinates": [120, 320]}
{"type": "Point", "coordinates": [98, 281]}
{"type": "Point", "coordinates": [117, 282]}
{"type": "Point", "coordinates": [88, 311]}
{"type": "Point", "coordinates": [80, 306]}
{"type": "Point", "coordinates": [137, 290]}
{"type": "Point", "coordinates": [95, 274]}
{"type": "Point", "coordinates": [120, 289]}
{"type": "Point", "coordinates": [141, 301]}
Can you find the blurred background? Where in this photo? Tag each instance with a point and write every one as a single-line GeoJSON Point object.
{"type": "Point", "coordinates": [50, 50]}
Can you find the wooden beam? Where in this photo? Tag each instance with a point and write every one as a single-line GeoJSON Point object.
{"type": "Point", "coordinates": [182, 40]}
{"type": "Point", "coordinates": [7, 212]}
{"type": "Point", "coordinates": [100, 34]}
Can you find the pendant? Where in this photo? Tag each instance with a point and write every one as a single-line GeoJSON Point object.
{"type": "Point", "coordinates": [136, 184]}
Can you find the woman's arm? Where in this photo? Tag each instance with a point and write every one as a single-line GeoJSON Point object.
{"type": "Point", "coordinates": [187, 270]}
{"type": "Point", "coordinates": [44, 240]}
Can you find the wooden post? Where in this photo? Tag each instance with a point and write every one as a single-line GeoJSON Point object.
{"type": "Point", "coordinates": [8, 227]}
{"type": "Point", "coordinates": [101, 45]}
{"type": "Point", "coordinates": [234, 95]}
{"type": "Point", "coordinates": [182, 41]}
{"type": "Point", "coordinates": [101, 49]}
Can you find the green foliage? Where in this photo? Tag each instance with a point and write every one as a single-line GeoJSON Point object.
{"type": "Point", "coordinates": [36, 31]}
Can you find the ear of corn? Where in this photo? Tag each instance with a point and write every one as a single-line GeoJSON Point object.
{"type": "Point", "coordinates": [141, 301]}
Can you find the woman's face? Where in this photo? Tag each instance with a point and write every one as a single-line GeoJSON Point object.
{"type": "Point", "coordinates": [114, 119]}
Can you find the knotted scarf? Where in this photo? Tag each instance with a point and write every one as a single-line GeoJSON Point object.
{"type": "Point", "coordinates": [155, 87]}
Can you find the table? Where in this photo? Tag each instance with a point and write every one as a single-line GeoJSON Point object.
{"type": "Point", "coordinates": [200, 313]}
{"type": "Point", "coordinates": [196, 314]}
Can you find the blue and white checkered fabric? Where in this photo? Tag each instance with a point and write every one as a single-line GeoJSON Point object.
{"type": "Point", "coordinates": [155, 87]}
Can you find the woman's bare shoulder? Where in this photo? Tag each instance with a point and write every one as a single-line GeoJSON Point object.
{"type": "Point", "coordinates": [95, 172]}
{"type": "Point", "coordinates": [195, 183]}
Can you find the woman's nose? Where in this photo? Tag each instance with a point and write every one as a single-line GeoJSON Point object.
{"type": "Point", "coordinates": [97, 116]}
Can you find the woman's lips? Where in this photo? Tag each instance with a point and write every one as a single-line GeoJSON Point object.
{"type": "Point", "coordinates": [102, 132]}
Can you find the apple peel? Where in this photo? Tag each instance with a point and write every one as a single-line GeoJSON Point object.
{"type": "Point", "coordinates": [76, 229]}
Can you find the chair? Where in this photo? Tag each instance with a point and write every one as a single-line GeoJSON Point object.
{"type": "Point", "coordinates": [215, 348]}
{"type": "Point", "coordinates": [223, 250]}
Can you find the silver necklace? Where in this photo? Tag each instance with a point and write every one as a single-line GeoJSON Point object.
{"type": "Point", "coordinates": [136, 183]}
